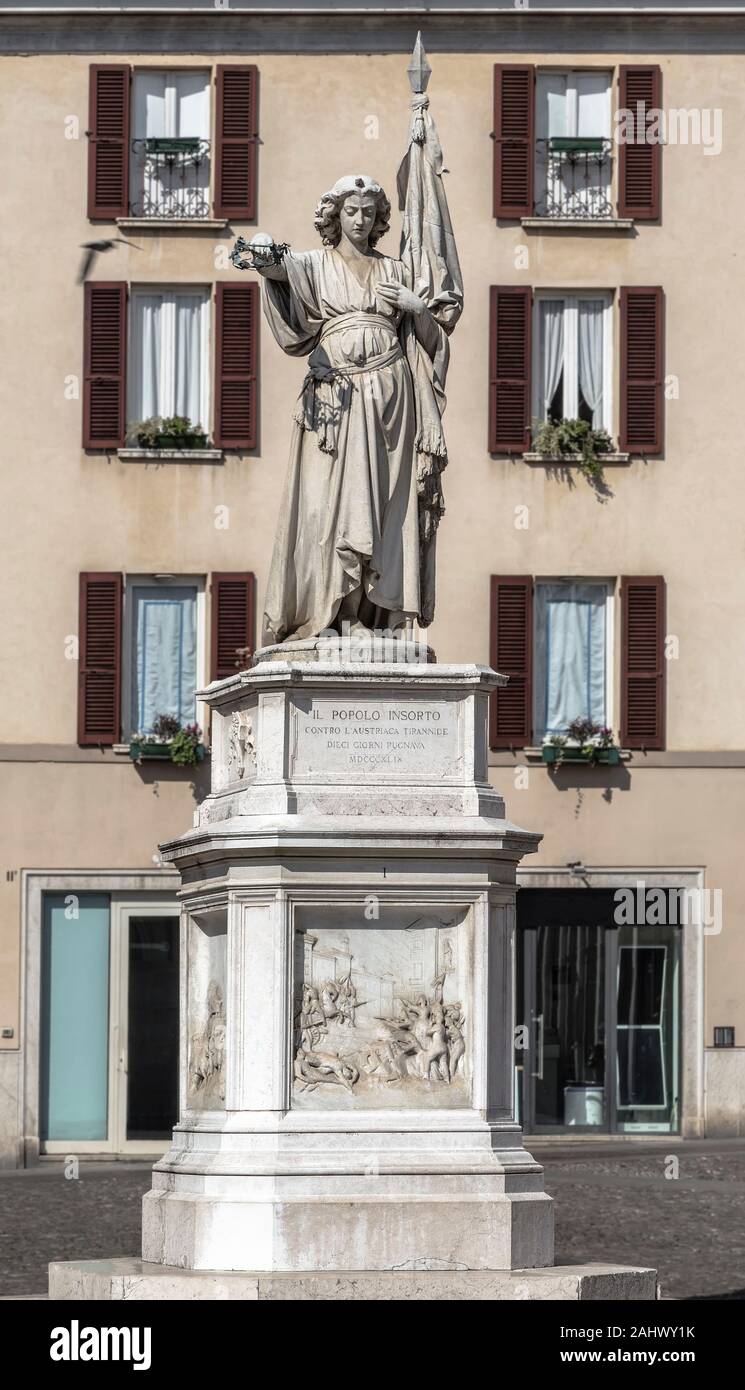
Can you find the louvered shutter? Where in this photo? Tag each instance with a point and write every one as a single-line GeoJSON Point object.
{"type": "Point", "coordinates": [514, 126]}
{"type": "Point", "coordinates": [509, 368]}
{"type": "Point", "coordinates": [643, 662]}
{"type": "Point", "coordinates": [105, 364]}
{"type": "Point", "coordinates": [108, 141]}
{"type": "Point", "coordinates": [236, 363]}
{"type": "Point", "coordinates": [511, 654]}
{"type": "Point", "coordinates": [232, 622]}
{"type": "Point", "coordinates": [100, 659]}
{"type": "Point", "coordinates": [237, 142]}
{"type": "Point", "coordinates": [642, 370]}
{"type": "Point", "coordinates": [639, 162]}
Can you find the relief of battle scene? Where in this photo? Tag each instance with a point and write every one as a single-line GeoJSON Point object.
{"type": "Point", "coordinates": [379, 1018]}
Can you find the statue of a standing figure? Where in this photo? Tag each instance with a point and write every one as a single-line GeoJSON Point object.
{"type": "Point", "coordinates": [356, 534]}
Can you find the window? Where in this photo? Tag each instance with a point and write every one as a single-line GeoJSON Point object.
{"type": "Point", "coordinates": [573, 649]}
{"type": "Point", "coordinates": [169, 343]}
{"type": "Point", "coordinates": [170, 169]}
{"type": "Point", "coordinates": [553, 149]}
{"type": "Point", "coordinates": [573, 144]}
{"type": "Point", "coordinates": [164, 651]}
{"type": "Point", "coordinates": [572, 351]}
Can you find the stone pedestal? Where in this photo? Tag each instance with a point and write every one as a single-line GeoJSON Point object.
{"type": "Point", "coordinates": [348, 895]}
{"type": "Point", "coordinates": [346, 1001]}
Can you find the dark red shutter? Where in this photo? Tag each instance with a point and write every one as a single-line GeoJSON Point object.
{"type": "Point", "coordinates": [514, 125]}
{"type": "Point", "coordinates": [642, 370]}
{"type": "Point", "coordinates": [232, 622]}
{"type": "Point", "coordinates": [510, 313]}
{"type": "Point", "coordinates": [100, 659]}
{"type": "Point", "coordinates": [511, 654]}
{"type": "Point", "coordinates": [236, 142]}
{"type": "Point", "coordinates": [105, 364]}
{"type": "Point", "coordinates": [643, 662]}
{"type": "Point", "coordinates": [236, 364]}
{"type": "Point", "coordinates": [639, 161]}
{"type": "Point", "coordinates": [108, 141]}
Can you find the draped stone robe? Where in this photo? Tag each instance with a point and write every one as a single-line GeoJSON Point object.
{"type": "Point", "coordinates": [351, 513]}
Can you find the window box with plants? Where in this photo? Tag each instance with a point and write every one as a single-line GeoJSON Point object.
{"type": "Point", "coordinates": [170, 742]}
{"type": "Point", "coordinates": [573, 441]}
{"type": "Point", "coordinates": [174, 432]}
{"type": "Point", "coordinates": [584, 742]}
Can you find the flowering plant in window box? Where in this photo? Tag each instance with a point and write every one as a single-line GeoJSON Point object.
{"type": "Point", "coordinates": [584, 742]}
{"type": "Point", "coordinates": [169, 741]}
{"type": "Point", "coordinates": [174, 432]}
{"type": "Point", "coordinates": [575, 440]}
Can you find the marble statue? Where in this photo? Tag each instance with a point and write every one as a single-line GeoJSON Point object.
{"type": "Point", "coordinates": [363, 497]}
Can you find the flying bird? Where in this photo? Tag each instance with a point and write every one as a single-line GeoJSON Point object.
{"type": "Point", "coordinates": [94, 247]}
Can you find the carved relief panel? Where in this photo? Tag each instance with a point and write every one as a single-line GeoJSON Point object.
{"type": "Point", "coordinates": [382, 1013]}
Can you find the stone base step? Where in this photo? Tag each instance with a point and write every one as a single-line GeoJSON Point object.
{"type": "Point", "coordinates": [134, 1280]}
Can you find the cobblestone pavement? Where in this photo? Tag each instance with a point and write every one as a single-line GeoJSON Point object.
{"type": "Point", "coordinates": [614, 1203]}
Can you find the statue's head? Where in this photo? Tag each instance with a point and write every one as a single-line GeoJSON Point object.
{"type": "Point", "coordinates": [357, 207]}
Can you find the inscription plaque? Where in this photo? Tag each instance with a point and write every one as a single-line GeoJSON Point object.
{"type": "Point", "coordinates": [412, 740]}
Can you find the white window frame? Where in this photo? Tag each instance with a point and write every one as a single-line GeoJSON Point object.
{"type": "Point", "coordinates": [572, 299]}
{"type": "Point", "coordinates": [168, 339]}
{"type": "Point", "coordinates": [134, 581]}
{"type": "Point", "coordinates": [610, 641]}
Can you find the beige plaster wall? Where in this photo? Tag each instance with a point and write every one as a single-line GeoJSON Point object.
{"type": "Point", "coordinates": [66, 511]}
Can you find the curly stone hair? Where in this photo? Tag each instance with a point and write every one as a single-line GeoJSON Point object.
{"type": "Point", "coordinates": [328, 223]}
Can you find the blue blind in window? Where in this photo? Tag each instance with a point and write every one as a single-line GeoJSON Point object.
{"type": "Point", "coordinates": [164, 659]}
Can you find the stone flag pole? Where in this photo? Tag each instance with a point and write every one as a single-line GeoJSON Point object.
{"type": "Point", "coordinates": [347, 1125]}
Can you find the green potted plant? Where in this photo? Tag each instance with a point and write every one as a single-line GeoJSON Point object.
{"type": "Point", "coordinates": [584, 742]}
{"type": "Point", "coordinates": [173, 432]}
{"type": "Point", "coordinates": [168, 740]}
{"type": "Point", "coordinates": [576, 440]}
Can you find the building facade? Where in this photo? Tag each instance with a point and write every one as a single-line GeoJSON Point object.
{"type": "Point", "coordinates": [603, 286]}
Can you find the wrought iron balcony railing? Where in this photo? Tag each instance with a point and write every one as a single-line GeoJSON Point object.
{"type": "Point", "coordinates": [573, 177]}
{"type": "Point", "coordinates": [171, 177]}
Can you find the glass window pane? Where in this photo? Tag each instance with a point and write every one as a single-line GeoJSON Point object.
{"type": "Point", "coordinates": [593, 103]}
{"type": "Point", "coordinates": [568, 1048]}
{"type": "Point", "coordinates": [164, 656]}
{"type": "Point", "coordinates": [647, 1039]}
{"type": "Point", "coordinates": [570, 655]}
{"type": "Point", "coordinates": [152, 1067]}
{"type": "Point", "coordinates": [75, 1017]}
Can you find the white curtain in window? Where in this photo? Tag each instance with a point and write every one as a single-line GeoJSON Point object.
{"type": "Point", "coordinates": [590, 355]}
{"type": "Point", "coordinates": [164, 659]}
{"type": "Point", "coordinates": [188, 363]}
{"type": "Point", "coordinates": [570, 654]}
{"type": "Point", "coordinates": [551, 348]}
{"type": "Point", "coordinates": [146, 356]}
{"type": "Point", "coordinates": [168, 374]}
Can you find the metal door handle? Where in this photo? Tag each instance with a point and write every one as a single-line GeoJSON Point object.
{"type": "Point", "coordinates": [538, 1018]}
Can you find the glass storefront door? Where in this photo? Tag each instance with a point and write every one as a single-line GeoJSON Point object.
{"type": "Point", "coordinates": [109, 1054]}
{"type": "Point", "coordinates": [597, 1014]}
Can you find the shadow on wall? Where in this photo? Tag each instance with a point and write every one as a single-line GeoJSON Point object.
{"type": "Point", "coordinates": [197, 778]}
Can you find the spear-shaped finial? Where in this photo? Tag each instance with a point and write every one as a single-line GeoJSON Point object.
{"type": "Point", "coordinates": [419, 68]}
